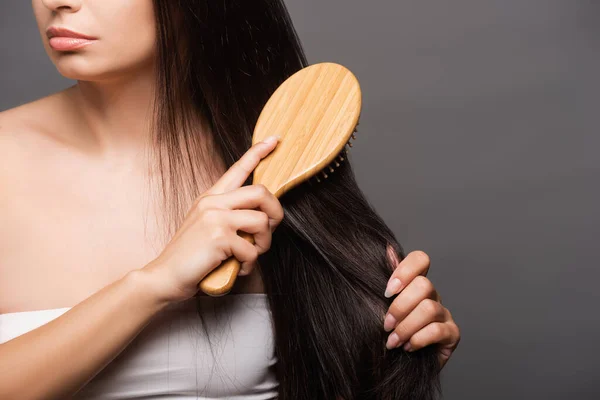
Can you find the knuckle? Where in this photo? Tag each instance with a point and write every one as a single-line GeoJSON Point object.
{"type": "Point", "coordinates": [261, 249]}
{"type": "Point", "coordinates": [437, 330]}
{"type": "Point", "coordinates": [199, 203]}
{"type": "Point", "coordinates": [261, 190]}
{"type": "Point", "coordinates": [424, 284]}
{"type": "Point", "coordinates": [454, 329]}
{"type": "Point", "coordinates": [431, 307]}
{"type": "Point", "coordinates": [264, 220]}
{"type": "Point", "coordinates": [214, 219]}
{"type": "Point", "coordinates": [210, 215]}
{"type": "Point", "coordinates": [422, 256]}
{"type": "Point", "coordinates": [203, 201]}
{"type": "Point", "coordinates": [218, 233]}
{"type": "Point", "coordinates": [241, 166]}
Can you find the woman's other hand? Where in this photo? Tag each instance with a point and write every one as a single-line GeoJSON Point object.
{"type": "Point", "coordinates": [417, 316]}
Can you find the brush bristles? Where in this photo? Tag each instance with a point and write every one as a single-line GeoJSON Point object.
{"type": "Point", "coordinates": [336, 162]}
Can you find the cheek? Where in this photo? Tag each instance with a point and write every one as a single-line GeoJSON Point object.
{"type": "Point", "coordinates": [133, 38]}
{"type": "Point", "coordinates": [133, 46]}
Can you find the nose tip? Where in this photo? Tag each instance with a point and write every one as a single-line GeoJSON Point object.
{"type": "Point", "coordinates": [62, 5]}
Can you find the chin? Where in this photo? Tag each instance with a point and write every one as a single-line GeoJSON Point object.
{"type": "Point", "coordinates": [83, 70]}
{"type": "Point", "coordinates": [85, 67]}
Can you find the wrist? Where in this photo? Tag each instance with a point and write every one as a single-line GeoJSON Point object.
{"type": "Point", "coordinates": [149, 283]}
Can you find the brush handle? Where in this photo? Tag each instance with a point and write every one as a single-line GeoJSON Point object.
{"type": "Point", "coordinates": [220, 280]}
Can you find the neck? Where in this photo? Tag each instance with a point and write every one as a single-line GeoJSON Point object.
{"type": "Point", "coordinates": [113, 116]}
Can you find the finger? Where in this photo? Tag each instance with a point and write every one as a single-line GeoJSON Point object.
{"type": "Point", "coordinates": [239, 172]}
{"type": "Point", "coordinates": [434, 333]}
{"type": "Point", "coordinates": [444, 334]}
{"type": "Point", "coordinates": [252, 197]}
{"type": "Point", "coordinates": [416, 263]}
{"type": "Point", "coordinates": [244, 251]}
{"type": "Point", "coordinates": [426, 312]}
{"type": "Point", "coordinates": [418, 290]}
{"type": "Point", "coordinates": [246, 268]}
{"type": "Point", "coordinates": [256, 223]}
{"type": "Point", "coordinates": [444, 355]}
{"type": "Point", "coordinates": [447, 348]}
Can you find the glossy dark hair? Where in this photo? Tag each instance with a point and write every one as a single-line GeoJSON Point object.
{"type": "Point", "coordinates": [327, 268]}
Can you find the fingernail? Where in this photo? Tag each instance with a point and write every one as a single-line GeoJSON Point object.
{"type": "Point", "coordinates": [392, 341]}
{"type": "Point", "coordinates": [272, 139]}
{"type": "Point", "coordinates": [407, 346]}
{"type": "Point", "coordinates": [389, 322]}
{"type": "Point", "coordinates": [392, 287]}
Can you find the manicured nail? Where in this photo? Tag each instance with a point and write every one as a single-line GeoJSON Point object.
{"type": "Point", "coordinates": [393, 287]}
{"type": "Point", "coordinates": [272, 139]}
{"type": "Point", "coordinates": [392, 341]}
{"type": "Point", "coordinates": [389, 323]}
{"type": "Point", "coordinates": [407, 346]}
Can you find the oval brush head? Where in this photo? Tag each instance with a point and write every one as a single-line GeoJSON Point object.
{"type": "Point", "coordinates": [315, 111]}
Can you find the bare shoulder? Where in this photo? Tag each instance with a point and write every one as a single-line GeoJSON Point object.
{"type": "Point", "coordinates": [27, 117]}
{"type": "Point", "coordinates": [25, 131]}
{"type": "Point", "coordinates": [23, 125]}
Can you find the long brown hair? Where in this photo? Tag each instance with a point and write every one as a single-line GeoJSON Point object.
{"type": "Point", "coordinates": [327, 267]}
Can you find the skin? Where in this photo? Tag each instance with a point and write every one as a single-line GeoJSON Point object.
{"type": "Point", "coordinates": [76, 190]}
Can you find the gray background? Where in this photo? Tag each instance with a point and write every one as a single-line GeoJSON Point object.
{"type": "Point", "coordinates": [477, 144]}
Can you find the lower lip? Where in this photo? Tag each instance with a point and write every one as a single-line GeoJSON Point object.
{"type": "Point", "coordinates": [69, 43]}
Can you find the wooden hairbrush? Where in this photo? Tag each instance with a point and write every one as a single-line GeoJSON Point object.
{"type": "Point", "coordinates": [316, 112]}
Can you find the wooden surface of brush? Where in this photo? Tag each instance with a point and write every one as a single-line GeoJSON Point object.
{"type": "Point", "coordinates": [316, 112]}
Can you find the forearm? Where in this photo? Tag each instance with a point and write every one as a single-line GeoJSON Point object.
{"type": "Point", "coordinates": [57, 359]}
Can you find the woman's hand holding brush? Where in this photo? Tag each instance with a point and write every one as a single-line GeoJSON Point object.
{"type": "Point", "coordinates": [208, 234]}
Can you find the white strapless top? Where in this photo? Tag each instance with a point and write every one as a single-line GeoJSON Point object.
{"type": "Point", "coordinates": [171, 357]}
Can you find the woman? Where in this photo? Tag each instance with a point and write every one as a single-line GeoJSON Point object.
{"type": "Point", "coordinates": [166, 98]}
